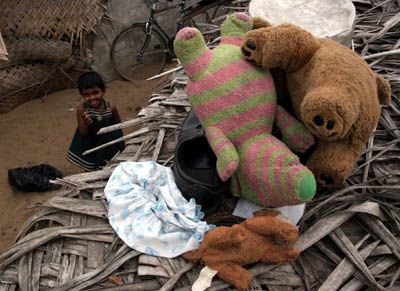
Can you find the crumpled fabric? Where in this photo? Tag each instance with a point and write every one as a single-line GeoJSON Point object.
{"type": "Point", "coordinates": [149, 213]}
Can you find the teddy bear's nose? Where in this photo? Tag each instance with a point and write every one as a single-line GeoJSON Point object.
{"type": "Point", "coordinates": [330, 124]}
{"type": "Point", "coordinates": [251, 45]}
{"type": "Point", "coordinates": [318, 120]}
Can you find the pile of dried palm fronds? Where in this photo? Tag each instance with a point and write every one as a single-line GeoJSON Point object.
{"type": "Point", "coordinates": [350, 237]}
{"type": "Point", "coordinates": [40, 37]}
{"type": "Point", "coordinates": [3, 50]}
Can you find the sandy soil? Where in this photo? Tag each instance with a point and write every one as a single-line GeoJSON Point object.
{"type": "Point", "coordinates": [40, 131]}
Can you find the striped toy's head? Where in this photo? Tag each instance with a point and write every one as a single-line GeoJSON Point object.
{"type": "Point", "coordinates": [192, 51]}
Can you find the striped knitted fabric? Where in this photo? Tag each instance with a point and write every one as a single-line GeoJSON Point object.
{"type": "Point", "coordinates": [236, 104]}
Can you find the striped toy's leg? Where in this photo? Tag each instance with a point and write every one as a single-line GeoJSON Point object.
{"type": "Point", "coordinates": [294, 133]}
{"type": "Point", "coordinates": [271, 175]}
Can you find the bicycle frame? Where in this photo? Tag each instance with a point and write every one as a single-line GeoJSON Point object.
{"type": "Point", "coordinates": [152, 21]}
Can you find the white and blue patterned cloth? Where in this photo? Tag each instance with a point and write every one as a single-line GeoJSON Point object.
{"type": "Point", "coordinates": [149, 213]}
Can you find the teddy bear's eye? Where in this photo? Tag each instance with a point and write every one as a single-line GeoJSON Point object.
{"type": "Point", "coordinates": [318, 120]}
{"type": "Point", "coordinates": [251, 45]}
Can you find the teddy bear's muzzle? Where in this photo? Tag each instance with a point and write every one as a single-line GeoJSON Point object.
{"type": "Point", "coordinates": [326, 125]}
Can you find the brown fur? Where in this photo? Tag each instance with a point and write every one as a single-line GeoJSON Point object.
{"type": "Point", "coordinates": [259, 22]}
{"type": "Point", "coordinates": [327, 83]}
{"type": "Point", "coordinates": [227, 249]}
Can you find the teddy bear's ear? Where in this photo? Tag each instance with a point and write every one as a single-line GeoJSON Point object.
{"type": "Point", "coordinates": [259, 22]}
{"type": "Point", "coordinates": [384, 91]}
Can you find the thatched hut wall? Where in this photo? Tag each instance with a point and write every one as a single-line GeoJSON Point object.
{"type": "Point", "coordinates": [44, 39]}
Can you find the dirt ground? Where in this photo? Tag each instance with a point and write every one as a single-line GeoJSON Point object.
{"type": "Point", "coordinates": [40, 131]}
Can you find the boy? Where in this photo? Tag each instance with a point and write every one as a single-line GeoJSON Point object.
{"type": "Point", "coordinates": [94, 113]}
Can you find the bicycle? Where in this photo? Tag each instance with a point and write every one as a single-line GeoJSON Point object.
{"type": "Point", "coordinates": [142, 50]}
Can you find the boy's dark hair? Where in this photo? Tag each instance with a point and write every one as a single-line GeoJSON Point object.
{"type": "Point", "coordinates": [90, 80]}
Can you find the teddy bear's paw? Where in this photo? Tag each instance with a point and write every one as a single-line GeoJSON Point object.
{"type": "Point", "coordinates": [328, 179]}
{"type": "Point", "coordinates": [292, 254]}
{"type": "Point", "coordinates": [250, 50]}
{"type": "Point", "coordinates": [192, 256]}
{"type": "Point", "coordinates": [288, 235]}
{"type": "Point", "coordinates": [332, 162]}
{"type": "Point", "coordinates": [252, 46]}
{"type": "Point", "coordinates": [329, 173]}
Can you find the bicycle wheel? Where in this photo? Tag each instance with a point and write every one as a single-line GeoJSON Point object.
{"type": "Point", "coordinates": [136, 55]}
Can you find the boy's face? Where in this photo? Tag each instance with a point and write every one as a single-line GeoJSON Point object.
{"type": "Point", "coordinates": [94, 96]}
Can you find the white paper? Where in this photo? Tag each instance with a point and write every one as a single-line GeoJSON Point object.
{"type": "Point", "coordinates": [245, 209]}
{"type": "Point", "coordinates": [204, 280]}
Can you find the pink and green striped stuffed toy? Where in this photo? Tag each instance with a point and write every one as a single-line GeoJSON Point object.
{"type": "Point", "coordinates": [237, 106]}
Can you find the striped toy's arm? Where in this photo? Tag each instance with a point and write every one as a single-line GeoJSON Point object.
{"type": "Point", "coordinates": [295, 135]}
{"type": "Point", "coordinates": [224, 150]}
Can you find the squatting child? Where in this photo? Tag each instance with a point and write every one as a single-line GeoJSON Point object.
{"type": "Point", "coordinates": [94, 113]}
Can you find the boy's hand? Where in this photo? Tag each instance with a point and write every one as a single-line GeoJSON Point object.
{"type": "Point", "coordinates": [87, 118]}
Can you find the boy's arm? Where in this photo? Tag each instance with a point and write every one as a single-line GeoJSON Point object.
{"type": "Point", "coordinates": [84, 121]}
{"type": "Point", "coordinates": [295, 135]}
{"type": "Point", "coordinates": [115, 113]}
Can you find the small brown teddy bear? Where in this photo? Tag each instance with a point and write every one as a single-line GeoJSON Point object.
{"type": "Point", "coordinates": [333, 91]}
{"type": "Point", "coordinates": [266, 237]}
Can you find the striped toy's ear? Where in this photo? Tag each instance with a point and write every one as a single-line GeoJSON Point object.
{"type": "Point", "coordinates": [236, 24]}
{"type": "Point", "coordinates": [189, 45]}
{"type": "Point", "coordinates": [191, 50]}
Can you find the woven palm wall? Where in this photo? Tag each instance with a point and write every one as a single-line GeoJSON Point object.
{"type": "Point", "coordinates": [44, 38]}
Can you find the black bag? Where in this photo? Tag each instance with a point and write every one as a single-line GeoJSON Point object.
{"type": "Point", "coordinates": [34, 179]}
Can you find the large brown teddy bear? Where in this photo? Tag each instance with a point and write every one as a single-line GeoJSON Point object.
{"type": "Point", "coordinates": [267, 237]}
{"type": "Point", "coordinates": [333, 91]}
